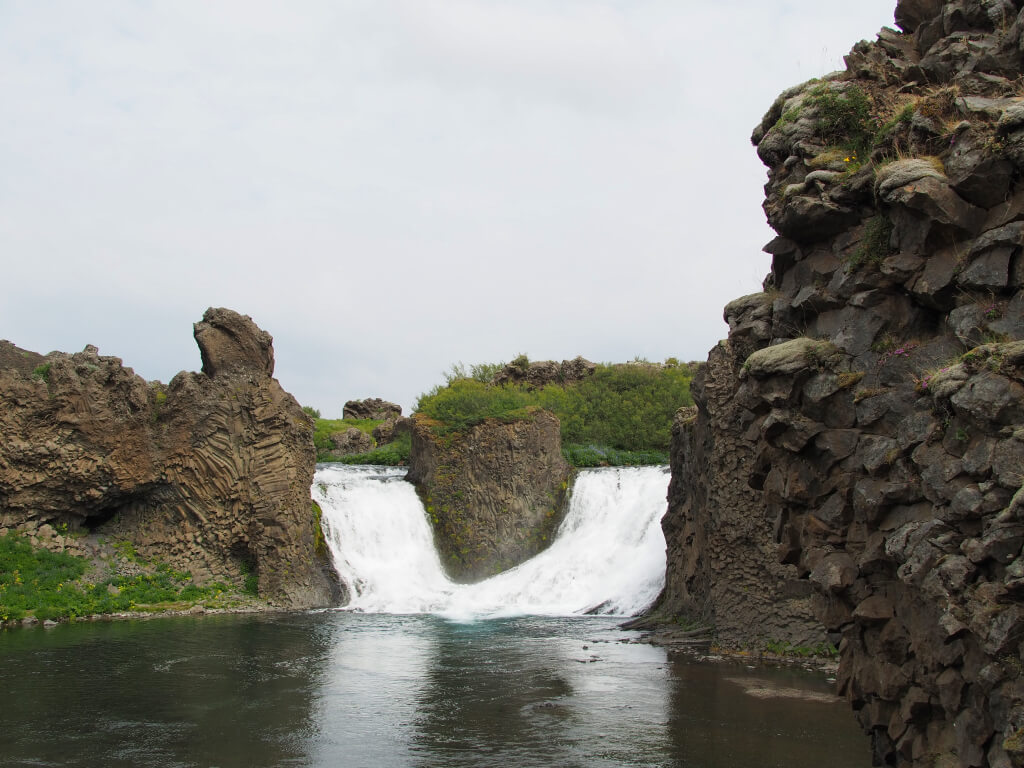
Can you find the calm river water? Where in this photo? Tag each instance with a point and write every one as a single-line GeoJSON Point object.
{"type": "Point", "coordinates": [350, 689]}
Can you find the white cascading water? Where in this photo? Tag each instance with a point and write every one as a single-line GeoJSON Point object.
{"type": "Point", "coordinates": [608, 555]}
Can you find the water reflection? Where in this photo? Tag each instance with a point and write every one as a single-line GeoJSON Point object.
{"type": "Point", "coordinates": [731, 715]}
{"type": "Point", "coordinates": [490, 692]}
{"type": "Point", "coordinates": [342, 689]}
{"type": "Point", "coordinates": [216, 691]}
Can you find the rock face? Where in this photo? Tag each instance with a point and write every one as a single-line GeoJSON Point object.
{"type": "Point", "coordinates": [351, 441]}
{"type": "Point", "coordinates": [539, 374]}
{"type": "Point", "coordinates": [209, 474]}
{"type": "Point", "coordinates": [372, 408]}
{"type": "Point", "coordinates": [493, 492]}
{"type": "Point", "coordinates": [723, 568]}
{"type": "Point", "coordinates": [865, 417]}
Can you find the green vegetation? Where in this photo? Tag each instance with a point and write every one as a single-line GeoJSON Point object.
{"type": "Point", "coordinates": [324, 428]}
{"type": "Point", "coordinates": [844, 117]}
{"type": "Point", "coordinates": [392, 454]}
{"type": "Point", "coordinates": [49, 585]}
{"type": "Point", "coordinates": [42, 372]}
{"type": "Point", "coordinates": [874, 247]}
{"type": "Point", "coordinates": [622, 414]}
{"type": "Point", "coordinates": [250, 579]}
{"type": "Point", "coordinates": [596, 456]}
{"type": "Point", "coordinates": [482, 372]}
{"type": "Point", "coordinates": [465, 402]}
{"type": "Point", "coordinates": [903, 117]}
{"type": "Point", "coordinates": [310, 411]}
{"type": "Point", "coordinates": [159, 401]}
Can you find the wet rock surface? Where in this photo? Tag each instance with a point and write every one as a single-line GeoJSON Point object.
{"type": "Point", "coordinates": [865, 418]}
{"type": "Point", "coordinates": [209, 474]}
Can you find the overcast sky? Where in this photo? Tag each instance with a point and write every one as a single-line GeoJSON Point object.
{"type": "Point", "coordinates": [391, 186]}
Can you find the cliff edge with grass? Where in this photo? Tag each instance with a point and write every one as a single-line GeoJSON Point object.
{"type": "Point", "coordinates": [864, 420]}
{"type": "Point", "coordinates": [493, 491]}
{"type": "Point", "coordinates": [207, 477]}
{"type": "Point", "coordinates": [492, 449]}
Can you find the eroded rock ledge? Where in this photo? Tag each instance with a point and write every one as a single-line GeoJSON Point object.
{"type": "Point", "coordinates": [210, 474]}
{"type": "Point", "coordinates": [865, 417]}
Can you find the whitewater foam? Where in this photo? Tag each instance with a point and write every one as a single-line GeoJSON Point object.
{"type": "Point", "coordinates": [608, 555]}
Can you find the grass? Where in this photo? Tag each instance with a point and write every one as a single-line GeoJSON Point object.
{"type": "Point", "coordinates": [393, 454]}
{"type": "Point", "coordinates": [618, 411]}
{"type": "Point", "coordinates": [50, 585]}
{"type": "Point", "coordinates": [250, 579]}
{"type": "Point", "coordinates": [465, 402]}
{"type": "Point", "coordinates": [844, 117]}
{"type": "Point", "coordinates": [42, 372]}
{"type": "Point", "coordinates": [874, 246]}
{"type": "Point", "coordinates": [602, 456]}
{"type": "Point", "coordinates": [324, 428]}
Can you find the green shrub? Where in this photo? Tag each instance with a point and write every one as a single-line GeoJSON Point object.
{"type": "Point", "coordinates": [250, 579]}
{"type": "Point", "coordinates": [50, 585]}
{"type": "Point", "coordinates": [393, 454]}
{"type": "Point", "coordinates": [42, 372]}
{"type": "Point", "coordinates": [844, 117]}
{"type": "Point", "coordinates": [620, 407]}
{"type": "Point", "coordinates": [627, 407]}
{"type": "Point", "coordinates": [482, 372]}
{"type": "Point", "coordinates": [602, 456]}
{"type": "Point", "coordinates": [465, 402]}
{"type": "Point", "coordinates": [324, 428]}
{"type": "Point", "coordinates": [310, 411]}
{"type": "Point", "coordinates": [874, 246]}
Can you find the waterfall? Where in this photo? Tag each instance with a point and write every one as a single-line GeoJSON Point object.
{"type": "Point", "coordinates": [608, 555]}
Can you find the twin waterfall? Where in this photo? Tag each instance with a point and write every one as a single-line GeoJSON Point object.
{"type": "Point", "coordinates": [608, 556]}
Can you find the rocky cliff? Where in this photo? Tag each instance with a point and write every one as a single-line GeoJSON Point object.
{"type": "Point", "coordinates": [865, 417]}
{"type": "Point", "coordinates": [209, 474]}
{"type": "Point", "coordinates": [493, 492]}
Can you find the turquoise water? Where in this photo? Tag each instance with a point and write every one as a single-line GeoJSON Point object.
{"type": "Point", "coordinates": [349, 689]}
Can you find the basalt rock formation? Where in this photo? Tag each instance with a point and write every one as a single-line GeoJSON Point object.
{"type": "Point", "coordinates": [865, 417]}
{"type": "Point", "coordinates": [210, 474]}
{"type": "Point", "coordinates": [372, 408]}
{"type": "Point", "coordinates": [493, 492]}
{"type": "Point", "coordinates": [538, 374]}
{"type": "Point", "coordinates": [351, 441]}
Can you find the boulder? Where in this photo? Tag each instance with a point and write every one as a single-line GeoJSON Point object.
{"type": "Point", "coordinates": [232, 343]}
{"type": "Point", "coordinates": [351, 441]}
{"type": "Point", "coordinates": [372, 408]}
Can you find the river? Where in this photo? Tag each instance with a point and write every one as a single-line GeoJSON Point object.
{"type": "Point", "coordinates": [423, 672]}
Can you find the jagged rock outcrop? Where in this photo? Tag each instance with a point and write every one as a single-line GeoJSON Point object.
{"type": "Point", "coordinates": [350, 442]}
{"type": "Point", "coordinates": [493, 492]}
{"type": "Point", "coordinates": [539, 374]}
{"type": "Point", "coordinates": [371, 408]}
{"type": "Point", "coordinates": [872, 398]}
{"type": "Point", "coordinates": [209, 474]}
{"type": "Point", "coordinates": [724, 570]}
